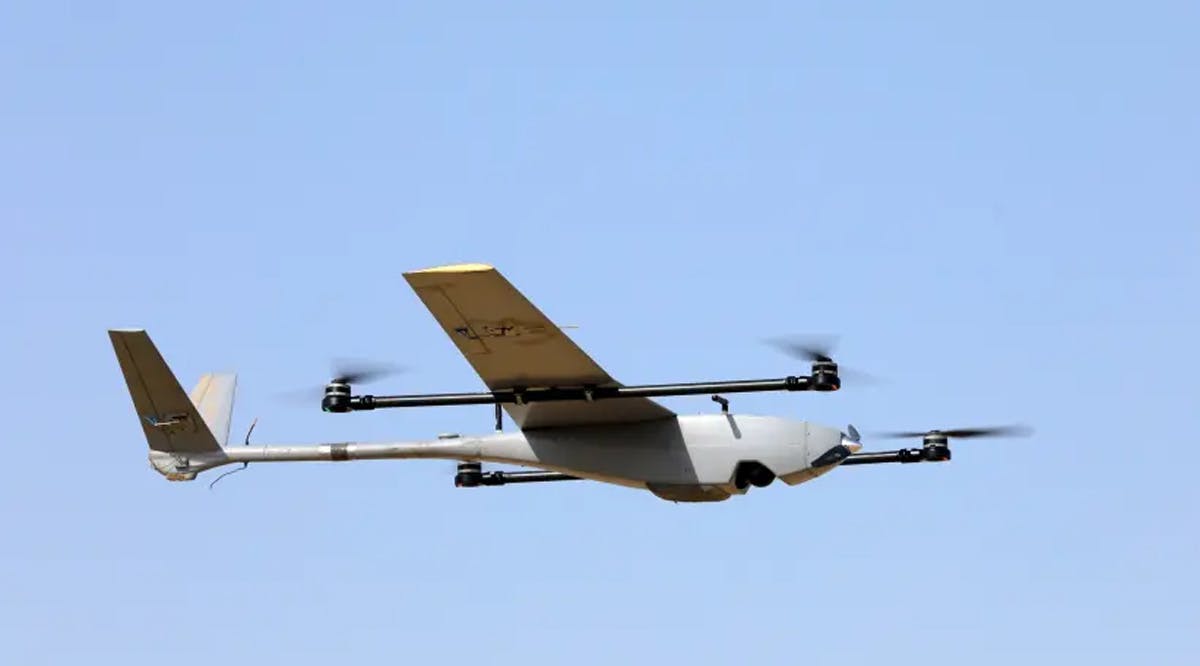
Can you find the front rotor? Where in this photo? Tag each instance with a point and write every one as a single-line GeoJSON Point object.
{"type": "Point", "coordinates": [825, 375]}
{"type": "Point", "coordinates": [935, 444]}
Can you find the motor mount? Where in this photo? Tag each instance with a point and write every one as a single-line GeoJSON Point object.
{"type": "Point", "coordinates": [935, 447]}
{"type": "Point", "coordinates": [825, 376]}
{"type": "Point", "coordinates": [337, 397]}
{"type": "Point", "coordinates": [469, 475]}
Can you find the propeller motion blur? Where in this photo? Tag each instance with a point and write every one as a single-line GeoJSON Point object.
{"type": "Point", "coordinates": [574, 421]}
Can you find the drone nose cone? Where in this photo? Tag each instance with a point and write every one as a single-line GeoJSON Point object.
{"type": "Point", "coordinates": [854, 446]}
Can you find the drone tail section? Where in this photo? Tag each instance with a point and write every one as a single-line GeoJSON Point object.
{"type": "Point", "coordinates": [174, 423]}
{"type": "Point", "coordinates": [213, 397]}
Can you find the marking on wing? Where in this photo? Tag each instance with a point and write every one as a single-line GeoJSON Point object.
{"type": "Point", "coordinates": [521, 332]}
{"type": "Point", "coordinates": [444, 309]}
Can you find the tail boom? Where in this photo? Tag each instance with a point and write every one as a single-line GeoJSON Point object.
{"type": "Point", "coordinates": [177, 466]}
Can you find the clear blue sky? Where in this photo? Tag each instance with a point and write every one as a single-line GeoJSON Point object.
{"type": "Point", "coordinates": [994, 206]}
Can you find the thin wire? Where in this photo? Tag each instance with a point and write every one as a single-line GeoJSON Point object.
{"type": "Point", "coordinates": [246, 464]}
{"type": "Point", "coordinates": [232, 471]}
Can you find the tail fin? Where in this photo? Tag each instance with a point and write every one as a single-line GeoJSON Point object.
{"type": "Point", "coordinates": [171, 421]}
{"type": "Point", "coordinates": [213, 396]}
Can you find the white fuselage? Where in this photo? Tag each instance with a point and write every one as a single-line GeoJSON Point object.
{"type": "Point", "coordinates": [688, 458]}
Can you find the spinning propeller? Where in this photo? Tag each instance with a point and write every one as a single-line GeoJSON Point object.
{"type": "Point", "coordinates": [935, 444]}
{"type": "Point", "coordinates": [345, 372]}
{"type": "Point", "coordinates": [815, 350]}
{"type": "Point", "coordinates": [819, 352]}
{"type": "Point", "coordinates": [348, 371]}
{"type": "Point", "coordinates": [961, 433]}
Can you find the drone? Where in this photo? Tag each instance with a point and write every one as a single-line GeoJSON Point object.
{"type": "Point", "coordinates": [574, 421]}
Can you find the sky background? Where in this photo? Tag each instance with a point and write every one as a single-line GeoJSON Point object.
{"type": "Point", "coordinates": [993, 204]}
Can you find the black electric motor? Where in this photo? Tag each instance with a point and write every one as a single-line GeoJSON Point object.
{"type": "Point", "coordinates": [470, 475]}
{"type": "Point", "coordinates": [825, 376]}
{"type": "Point", "coordinates": [935, 448]}
{"type": "Point", "coordinates": [337, 398]}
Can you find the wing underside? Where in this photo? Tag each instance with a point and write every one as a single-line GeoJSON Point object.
{"type": "Point", "coordinates": [511, 344]}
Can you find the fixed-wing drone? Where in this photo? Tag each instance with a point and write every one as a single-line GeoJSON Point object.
{"type": "Point", "coordinates": [574, 420]}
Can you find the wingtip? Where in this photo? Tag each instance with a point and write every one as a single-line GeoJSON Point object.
{"type": "Point", "coordinates": [455, 268]}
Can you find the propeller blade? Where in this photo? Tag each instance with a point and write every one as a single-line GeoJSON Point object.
{"type": "Point", "coordinates": [857, 376]}
{"type": "Point", "coordinates": [899, 434]}
{"type": "Point", "coordinates": [812, 349]}
{"type": "Point", "coordinates": [309, 396]}
{"type": "Point", "coordinates": [994, 431]}
{"type": "Point", "coordinates": [819, 349]}
{"type": "Point", "coordinates": [344, 371]}
{"type": "Point", "coordinates": [356, 371]}
{"type": "Point", "coordinates": [961, 433]}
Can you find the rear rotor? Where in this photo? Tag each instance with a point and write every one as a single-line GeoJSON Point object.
{"type": "Point", "coordinates": [335, 395]}
{"type": "Point", "coordinates": [347, 372]}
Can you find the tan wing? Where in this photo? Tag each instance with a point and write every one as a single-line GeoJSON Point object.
{"type": "Point", "coordinates": [511, 344]}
